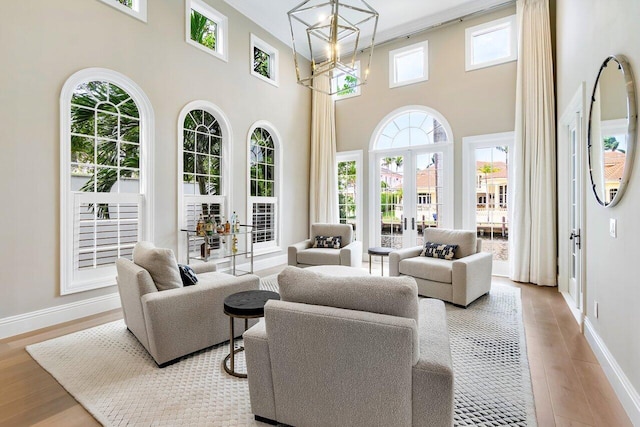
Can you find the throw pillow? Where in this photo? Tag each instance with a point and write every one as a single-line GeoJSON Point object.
{"type": "Point", "coordinates": [187, 275]}
{"type": "Point", "coordinates": [333, 242]}
{"type": "Point", "coordinates": [160, 263]}
{"type": "Point", "coordinates": [439, 250]}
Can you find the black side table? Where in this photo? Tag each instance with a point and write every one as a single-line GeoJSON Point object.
{"type": "Point", "coordinates": [244, 305]}
{"type": "Point", "coordinates": [381, 252]}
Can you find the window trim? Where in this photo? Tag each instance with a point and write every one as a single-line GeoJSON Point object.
{"type": "Point", "coordinates": [226, 198]}
{"type": "Point", "coordinates": [222, 51]}
{"type": "Point", "coordinates": [470, 32]}
{"type": "Point", "coordinates": [357, 92]}
{"type": "Point", "coordinates": [277, 145]}
{"type": "Point", "coordinates": [139, 11]}
{"type": "Point", "coordinates": [357, 156]}
{"type": "Point", "coordinates": [147, 126]}
{"type": "Point", "coordinates": [274, 60]}
{"type": "Point", "coordinates": [393, 83]}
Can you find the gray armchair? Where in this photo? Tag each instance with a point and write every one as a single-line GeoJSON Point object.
{"type": "Point", "coordinates": [175, 322]}
{"type": "Point", "coordinates": [303, 254]}
{"type": "Point", "coordinates": [460, 281]}
{"type": "Point", "coordinates": [350, 351]}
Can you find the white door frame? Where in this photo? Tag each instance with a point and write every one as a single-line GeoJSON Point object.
{"type": "Point", "coordinates": [356, 156]}
{"type": "Point", "coordinates": [469, 145]}
{"type": "Point", "coordinates": [573, 116]}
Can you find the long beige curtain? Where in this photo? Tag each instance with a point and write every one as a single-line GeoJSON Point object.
{"type": "Point", "coordinates": [534, 236]}
{"type": "Point", "coordinates": [323, 188]}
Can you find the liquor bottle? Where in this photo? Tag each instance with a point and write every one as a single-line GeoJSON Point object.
{"type": "Point", "coordinates": [209, 226]}
{"type": "Point", "coordinates": [200, 226]}
{"type": "Point", "coordinates": [234, 246]}
{"type": "Point", "coordinates": [227, 227]}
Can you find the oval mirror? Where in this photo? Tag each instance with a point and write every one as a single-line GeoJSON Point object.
{"type": "Point", "coordinates": [612, 130]}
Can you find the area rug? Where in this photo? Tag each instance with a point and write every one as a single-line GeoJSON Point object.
{"type": "Point", "coordinates": [114, 378]}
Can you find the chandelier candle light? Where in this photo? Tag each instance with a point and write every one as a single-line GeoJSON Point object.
{"type": "Point", "coordinates": [331, 27]}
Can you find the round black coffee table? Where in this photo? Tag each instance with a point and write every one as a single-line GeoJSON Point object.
{"type": "Point", "coordinates": [244, 305]}
{"type": "Point", "coordinates": [381, 252]}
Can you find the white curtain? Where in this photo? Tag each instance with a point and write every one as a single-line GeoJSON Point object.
{"type": "Point", "coordinates": [534, 237]}
{"type": "Point", "coordinates": [323, 188]}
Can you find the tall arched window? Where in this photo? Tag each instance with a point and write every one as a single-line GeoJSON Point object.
{"type": "Point", "coordinates": [412, 155]}
{"type": "Point", "coordinates": [203, 164]}
{"type": "Point", "coordinates": [106, 133]}
{"type": "Point", "coordinates": [263, 192]}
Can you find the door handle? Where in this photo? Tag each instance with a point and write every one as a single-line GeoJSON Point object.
{"type": "Point", "coordinates": [575, 236]}
{"type": "Point", "coordinates": [413, 223]}
{"type": "Point", "coordinates": [405, 223]}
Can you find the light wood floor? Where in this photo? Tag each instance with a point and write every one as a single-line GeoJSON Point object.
{"type": "Point", "coordinates": [569, 385]}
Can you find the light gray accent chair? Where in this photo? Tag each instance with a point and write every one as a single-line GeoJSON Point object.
{"type": "Point", "coordinates": [460, 281]}
{"type": "Point", "coordinates": [303, 254]}
{"type": "Point", "coordinates": [176, 322]}
{"type": "Point", "coordinates": [350, 351]}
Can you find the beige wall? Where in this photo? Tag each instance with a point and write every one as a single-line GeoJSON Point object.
{"type": "Point", "coordinates": [44, 42]}
{"type": "Point", "coordinates": [474, 103]}
{"type": "Point", "coordinates": [587, 32]}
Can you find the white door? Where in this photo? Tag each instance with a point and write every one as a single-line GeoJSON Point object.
{"type": "Point", "coordinates": [572, 170]}
{"type": "Point", "coordinates": [487, 189]}
{"type": "Point", "coordinates": [575, 236]}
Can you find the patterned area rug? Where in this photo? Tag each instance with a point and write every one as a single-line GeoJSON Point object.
{"type": "Point", "coordinates": [114, 378]}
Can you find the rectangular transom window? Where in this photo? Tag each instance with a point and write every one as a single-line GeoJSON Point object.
{"type": "Point", "coordinates": [491, 43]}
{"type": "Point", "coordinates": [345, 83]}
{"type": "Point", "coordinates": [264, 60]}
{"type": "Point", "coordinates": [135, 8]}
{"type": "Point", "coordinates": [409, 64]}
{"type": "Point", "coordinates": [206, 29]}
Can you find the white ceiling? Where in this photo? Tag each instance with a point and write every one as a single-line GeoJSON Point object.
{"type": "Point", "coordinates": [397, 17]}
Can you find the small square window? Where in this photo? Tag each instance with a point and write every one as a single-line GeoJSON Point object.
{"type": "Point", "coordinates": [135, 8]}
{"type": "Point", "coordinates": [491, 43]}
{"type": "Point", "coordinates": [409, 64]}
{"type": "Point", "coordinates": [264, 60]}
{"type": "Point", "coordinates": [346, 83]}
{"type": "Point", "coordinates": [206, 28]}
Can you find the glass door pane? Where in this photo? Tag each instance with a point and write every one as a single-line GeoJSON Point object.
{"type": "Point", "coordinates": [391, 213]}
{"type": "Point", "coordinates": [429, 192]}
{"type": "Point", "coordinates": [492, 210]}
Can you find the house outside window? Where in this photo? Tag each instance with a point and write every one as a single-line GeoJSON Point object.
{"type": "Point", "coordinates": [264, 186]}
{"type": "Point", "coordinates": [491, 43]}
{"type": "Point", "coordinates": [106, 129]}
{"type": "Point", "coordinates": [206, 29]}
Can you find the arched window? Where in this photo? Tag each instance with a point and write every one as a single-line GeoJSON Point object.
{"type": "Point", "coordinates": [105, 184]}
{"type": "Point", "coordinates": [412, 159]}
{"type": "Point", "coordinates": [203, 165]}
{"type": "Point", "coordinates": [263, 192]}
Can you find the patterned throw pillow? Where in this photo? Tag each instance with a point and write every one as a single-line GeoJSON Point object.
{"type": "Point", "coordinates": [328, 242]}
{"type": "Point", "coordinates": [187, 275]}
{"type": "Point", "coordinates": [439, 250]}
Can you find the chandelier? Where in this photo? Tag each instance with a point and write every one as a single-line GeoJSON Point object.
{"type": "Point", "coordinates": [330, 33]}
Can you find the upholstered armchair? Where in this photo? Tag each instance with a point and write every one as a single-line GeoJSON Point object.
{"type": "Point", "coordinates": [350, 351]}
{"type": "Point", "coordinates": [171, 320]}
{"type": "Point", "coordinates": [460, 280]}
{"type": "Point", "coordinates": [304, 254]}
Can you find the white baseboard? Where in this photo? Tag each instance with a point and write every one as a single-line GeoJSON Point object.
{"type": "Point", "coordinates": [27, 322]}
{"type": "Point", "coordinates": [627, 394]}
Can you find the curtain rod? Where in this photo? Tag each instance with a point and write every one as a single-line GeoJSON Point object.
{"type": "Point", "coordinates": [445, 23]}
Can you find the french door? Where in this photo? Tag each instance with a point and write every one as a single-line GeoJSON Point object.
{"type": "Point", "coordinates": [414, 193]}
{"type": "Point", "coordinates": [487, 185]}
{"type": "Point", "coordinates": [575, 237]}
